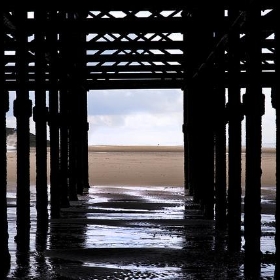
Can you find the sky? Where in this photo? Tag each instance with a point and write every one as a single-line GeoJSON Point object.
{"type": "Point", "coordinates": [143, 117]}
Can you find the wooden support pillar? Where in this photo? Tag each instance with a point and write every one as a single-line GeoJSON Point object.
{"type": "Point", "coordinates": [22, 112]}
{"type": "Point", "coordinates": [220, 130]}
{"type": "Point", "coordinates": [235, 116]}
{"type": "Point", "coordinates": [254, 109]}
{"type": "Point", "coordinates": [54, 124]}
{"type": "Point", "coordinates": [275, 99]}
{"type": "Point", "coordinates": [40, 115]}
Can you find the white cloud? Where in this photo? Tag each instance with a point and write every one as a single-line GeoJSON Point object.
{"type": "Point", "coordinates": [136, 129]}
{"type": "Point", "coordinates": [135, 117]}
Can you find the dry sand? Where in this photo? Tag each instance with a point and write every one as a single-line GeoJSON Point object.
{"type": "Point", "coordinates": [141, 166]}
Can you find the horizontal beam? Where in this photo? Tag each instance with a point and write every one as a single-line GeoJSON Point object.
{"type": "Point", "coordinates": [109, 25]}
{"type": "Point", "coordinates": [103, 58]}
{"type": "Point", "coordinates": [114, 76]}
{"type": "Point", "coordinates": [268, 79]}
{"type": "Point", "coordinates": [103, 84]}
{"type": "Point", "coordinates": [124, 5]}
{"type": "Point", "coordinates": [116, 68]}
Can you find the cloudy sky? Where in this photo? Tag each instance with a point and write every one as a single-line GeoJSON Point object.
{"type": "Point", "coordinates": [143, 117]}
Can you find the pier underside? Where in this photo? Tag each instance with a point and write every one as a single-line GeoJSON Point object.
{"type": "Point", "coordinates": [221, 56]}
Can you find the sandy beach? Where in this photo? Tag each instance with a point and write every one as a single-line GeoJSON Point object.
{"type": "Point", "coordinates": [136, 222]}
{"type": "Point", "coordinates": [139, 166]}
{"type": "Point", "coordinates": [121, 165]}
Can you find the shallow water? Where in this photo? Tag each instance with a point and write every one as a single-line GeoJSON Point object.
{"type": "Point", "coordinates": [131, 233]}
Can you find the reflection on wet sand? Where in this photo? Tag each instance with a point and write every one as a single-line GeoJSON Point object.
{"type": "Point", "coordinates": [132, 233]}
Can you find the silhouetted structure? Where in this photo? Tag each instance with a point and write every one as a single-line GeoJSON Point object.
{"type": "Point", "coordinates": [210, 51]}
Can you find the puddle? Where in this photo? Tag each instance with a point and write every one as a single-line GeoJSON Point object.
{"type": "Point", "coordinates": [131, 233]}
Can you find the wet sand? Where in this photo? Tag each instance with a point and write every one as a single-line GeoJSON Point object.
{"type": "Point", "coordinates": [136, 223]}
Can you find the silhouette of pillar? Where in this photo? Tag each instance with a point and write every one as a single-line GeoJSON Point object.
{"type": "Point", "coordinates": [54, 122]}
{"type": "Point", "coordinates": [220, 129]}
{"type": "Point", "coordinates": [199, 117]}
{"type": "Point", "coordinates": [81, 124]}
{"type": "Point", "coordinates": [204, 133]}
{"type": "Point", "coordinates": [74, 56]}
{"type": "Point", "coordinates": [66, 166]}
{"type": "Point", "coordinates": [4, 108]}
{"type": "Point", "coordinates": [64, 146]}
{"type": "Point", "coordinates": [186, 110]}
{"type": "Point", "coordinates": [75, 71]}
{"type": "Point", "coordinates": [235, 116]}
{"type": "Point", "coordinates": [254, 109]}
{"type": "Point", "coordinates": [22, 112]}
{"type": "Point", "coordinates": [192, 99]}
{"type": "Point", "coordinates": [40, 115]}
{"type": "Point", "coordinates": [205, 169]}
{"type": "Point", "coordinates": [72, 110]}
{"type": "Point", "coordinates": [275, 100]}
{"type": "Point", "coordinates": [202, 142]}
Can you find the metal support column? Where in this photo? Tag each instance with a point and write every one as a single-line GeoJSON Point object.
{"type": "Point", "coordinates": [4, 108]}
{"type": "Point", "coordinates": [40, 115]}
{"type": "Point", "coordinates": [220, 130]}
{"type": "Point", "coordinates": [54, 124]}
{"type": "Point", "coordinates": [83, 180]}
{"type": "Point", "coordinates": [254, 109]}
{"type": "Point", "coordinates": [206, 155]}
{"type": "Point", "coordinates": [65, 113]}
{"type": "Point", "coordinates": [235, 116]}
{"type": "Point", "coordinates": [188, 70]}
{"type": "Point", "coordinates": [199, 125]}
{"type": "Point", "coordinates": [22, 112]}
{"type": "Point", "coordinates": [74, 109]}
{"type": "Point", "coordinates": [275, 99]}
{"type": "Point", "coordinates": [204, 132]}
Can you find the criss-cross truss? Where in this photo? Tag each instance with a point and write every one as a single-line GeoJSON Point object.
{"type": "Point", "coordinates": [129, 48]}
{"type": "Point", "coordinates": [134, 49]}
